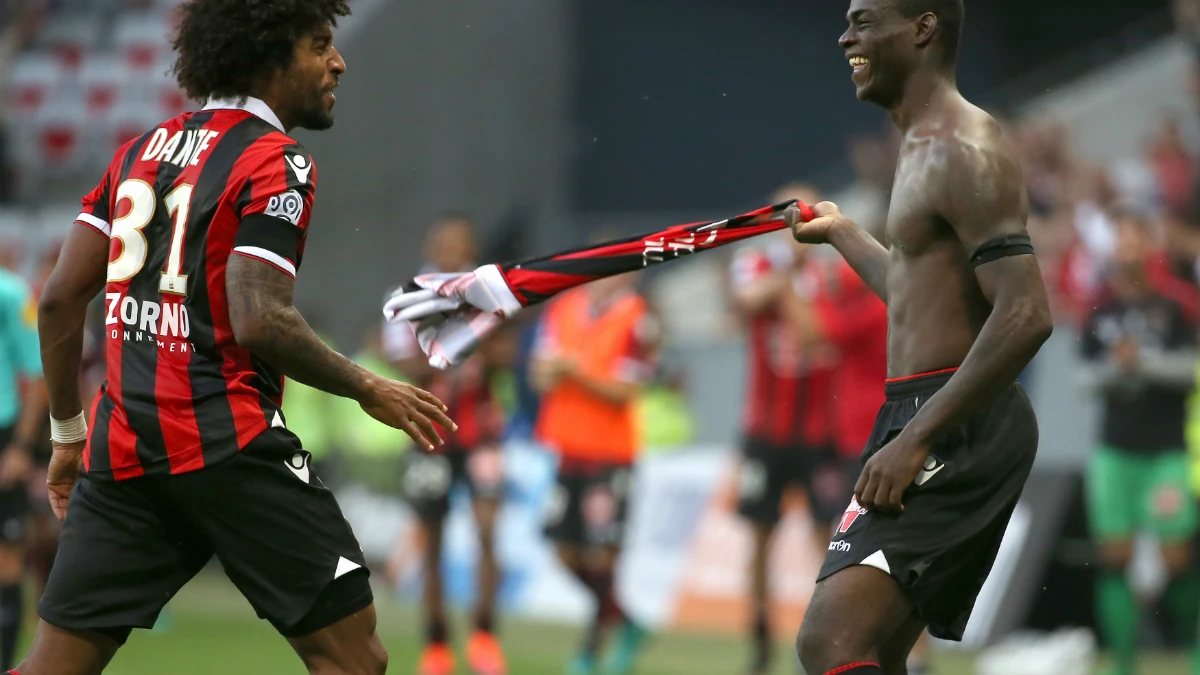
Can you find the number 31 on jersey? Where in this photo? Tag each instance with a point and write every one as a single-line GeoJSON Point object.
{"type": "Point", "coordinates": [143, 203]}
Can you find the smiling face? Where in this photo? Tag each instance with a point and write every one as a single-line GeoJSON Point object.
{"type": "Point", "coordinates": [881, 46]}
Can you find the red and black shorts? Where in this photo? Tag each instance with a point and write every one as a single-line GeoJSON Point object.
{"type": "Point", "coordinates": [429, 478]}
{"type": "Point", "coordinates": [590, 503]}
{"type": "Point", "coordinates": [940, 548]}
{"type": "Point", "coordinates": [767, 470]}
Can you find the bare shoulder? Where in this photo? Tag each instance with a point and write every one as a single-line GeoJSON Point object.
{"type": "Point", "coordinates": [974, 177]}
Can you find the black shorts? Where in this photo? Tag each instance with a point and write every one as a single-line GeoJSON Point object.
{"type": "Point", "coordinates": [14, 503]}
{"type": "Point", "coordinates": [428, 479]}
{"type": "Point", "coordinates": [767, 470]}
{"type": "Point", "coordinates": [590, 504]}
{"type": "Point", "coordinates": [942, 546]}
{"type": "Point", "coordinates": [128, 546]}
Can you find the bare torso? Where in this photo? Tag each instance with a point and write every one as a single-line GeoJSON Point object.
{"type": "Point", "coordinates": [936, 307]}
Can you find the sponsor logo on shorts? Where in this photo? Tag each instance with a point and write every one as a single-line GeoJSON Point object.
{"type": "Point", "coordinates": [298, 465]}
{"type": "Point", "coordinates": [932, 466]}
{"type": "Point", "coordinates": [852, 513]}
{"type": "Point", "coordinates": [839, 546]}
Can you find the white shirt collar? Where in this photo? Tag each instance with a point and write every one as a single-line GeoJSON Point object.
{"type": "Point", "coordinates": [252, 105]}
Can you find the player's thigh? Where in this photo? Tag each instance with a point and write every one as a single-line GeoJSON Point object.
{"type": "Point", "coordinates": [852, 616]}
{"type": "Point", "coordinates": [349, 646]}
{"type": "Point", "coordinates": [426, 481]}
{"type": "Point", "coordinates": [483, 472]}
{"type": "Point", "coordinates": [1114, 488]}
{"type": "Point", "coordinates": [123, 553]}
{"type": "Point", "coordinates": [604, 506]}
{"type": "Point", "coordinates": [827, 486]}
{"type": "Point", "coordinates": [761, 481]}
{"type": "Point", "coordinates": [278, 532]}
{"type": "Point", "coordinates": [1169, 510]}
{"type": "Point", "coordinates": [57, 651]}
{"type": "Point", "coordinates": [563, 522]}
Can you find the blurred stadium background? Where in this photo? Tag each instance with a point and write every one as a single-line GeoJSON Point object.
{"type": "Point", "coordinates": [548, 120]}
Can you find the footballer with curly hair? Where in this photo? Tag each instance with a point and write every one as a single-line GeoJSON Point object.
{"type": "Point", "coordinates": [195, 234]}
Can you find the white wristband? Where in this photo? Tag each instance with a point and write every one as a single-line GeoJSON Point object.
{"type": "Point", "coordinates": [73, 430]}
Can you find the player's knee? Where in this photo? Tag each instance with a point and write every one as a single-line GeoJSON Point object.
{"type": "Point", "coordinates": [12, 563]}
{"type": "Point", "coordinates": [1115, 555]}
{"type": "Point", "coordinates": [364, 659]}
{"type": "Point", "coordinates": [1177, 559]}
{"type": "Point", "coordinates": [817, 649]}
{"type": "Point", "coordinates": [376, 658]}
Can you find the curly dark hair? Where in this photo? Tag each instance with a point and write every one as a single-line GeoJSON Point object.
{"type": "Point", "coordinates": [228, 47]}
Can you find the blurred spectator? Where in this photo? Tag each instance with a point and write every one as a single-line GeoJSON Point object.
{"type": "Point", "coordinates": [874, 162]}
{"type": "Point", "coordinates": [1173, 166]}
{"type": "Point", "coordinates": [1187, 21]}
{"type": "Point", "coordinates": [1141, 348]}
{"type": "Point", "coordinates": [19, 20]}
{"type": "Point", "coordinates": [788, 421]}
{"type": "Point", "coordinates": [471, 456]}
{"type": "Point", "coordinates": [593, 356]}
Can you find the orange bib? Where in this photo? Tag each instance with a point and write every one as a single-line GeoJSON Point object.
{"type": "Point", "coordinates": [572, 420]}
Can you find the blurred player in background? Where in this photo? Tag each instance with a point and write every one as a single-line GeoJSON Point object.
{"type": "Point", "coordinates": [1140, 343]}
{"type": "Point", "coordinates": [195, 233]}
{"type": "Point", "coordinates": [789, 420]}
{"type": "Point", "coordinates": [471, 456]}
{"type": "Point", "coordinates": [596, 348]}
{"type": "Point", "coordinates": [22, 414]}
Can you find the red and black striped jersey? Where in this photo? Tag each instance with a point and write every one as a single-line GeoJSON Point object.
{"type": "Point", "coordinates": [789, 402]}
{"type": "Point", "coordinates": [176, 203]}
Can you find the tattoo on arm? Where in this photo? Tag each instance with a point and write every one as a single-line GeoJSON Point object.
{"type": "Point", "coordinates": [266, 322]}
{"type": "Point", "coordinates": [866, 255]}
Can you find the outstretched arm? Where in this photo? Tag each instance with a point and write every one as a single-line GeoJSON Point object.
{"type": "Point", "coordinates": [865, 254]}
{"type": "Point", "coordinates": [265, 321]}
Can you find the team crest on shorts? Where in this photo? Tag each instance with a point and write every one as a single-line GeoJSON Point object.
{"type": "Point", "coordinates": [852, 513]}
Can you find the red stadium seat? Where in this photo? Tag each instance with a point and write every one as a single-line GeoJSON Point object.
{"type": "Point", "coordinates": [71, 38]}
{"type": "Point", "coordinates": [33, 80]}
{"type": "Point", "coordinates": [142, 39]}
{"type": "Point", "coordinates": [101, 81]}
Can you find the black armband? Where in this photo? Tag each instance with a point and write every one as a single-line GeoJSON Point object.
{"type": "Point", "coordinates": [1002, 247]}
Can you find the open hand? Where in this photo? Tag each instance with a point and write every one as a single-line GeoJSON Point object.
{"type": "Point", "coordinates": [409, 409]}
{"type": "Point", "coordinates": [889, 472]}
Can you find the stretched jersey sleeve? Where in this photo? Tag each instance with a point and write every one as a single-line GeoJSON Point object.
{"type": "Point", "coordinates": [275, 213]}
{"type": "Point", "coordinates": [399, 343]}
